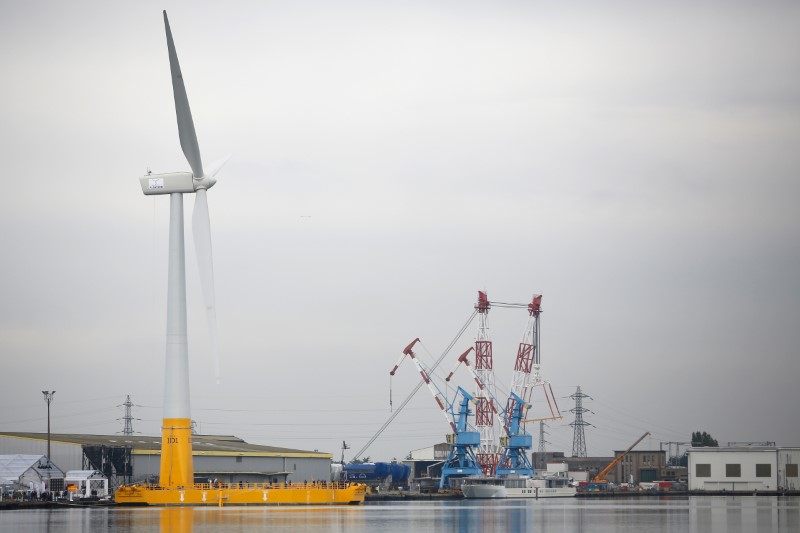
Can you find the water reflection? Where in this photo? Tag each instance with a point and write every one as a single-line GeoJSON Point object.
{"type": "Point", "coordinates": [245, 519]}
{"type": "Point", "coordinates": [696, 514]}
{"type": "Point", "coordinates": [177, 520]}
{"type": "Point", "coordinates": [739, 514]}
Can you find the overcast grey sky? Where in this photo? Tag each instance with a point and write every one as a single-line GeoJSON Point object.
{"type": "Point", "coordinates": [634, 162]}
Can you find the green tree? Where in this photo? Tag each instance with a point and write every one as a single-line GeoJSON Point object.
{"type": "Point", "coordinates": [700, 439]}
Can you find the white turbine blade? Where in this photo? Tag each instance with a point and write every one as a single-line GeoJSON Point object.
{"type": "Point", "coordinates": [185, 123]}
{"type": "Point", "coordinates": [217, 165]}
{"type": "Point", "coordinates": [201, 227]}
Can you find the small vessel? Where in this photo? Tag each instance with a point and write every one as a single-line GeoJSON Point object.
{"type": "Point", "coordinates": [517, 487]}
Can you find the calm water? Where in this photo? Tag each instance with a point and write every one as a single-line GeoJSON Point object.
{"type": "Point", "coordinates": [695, 514]}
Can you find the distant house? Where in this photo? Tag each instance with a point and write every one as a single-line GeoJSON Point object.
{"type": "Point", "coordinates": [30, 472]}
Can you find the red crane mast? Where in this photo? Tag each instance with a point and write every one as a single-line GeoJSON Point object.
{"type": "Point", "coordinates": [488, 455]}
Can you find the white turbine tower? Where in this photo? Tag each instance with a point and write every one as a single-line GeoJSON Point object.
{"type": "Point", "coordinates": [176, 447]}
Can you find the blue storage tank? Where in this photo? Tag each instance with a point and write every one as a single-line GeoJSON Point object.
{"type": "Point", "coordinates": [366, 471]}
{"type": "Point", "coordinates": [400, 473]}
{"type": "Point", "coordinates": [377, 472]}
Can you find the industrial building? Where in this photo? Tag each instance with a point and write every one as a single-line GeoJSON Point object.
{"type": "Point", "coordinates": [744, 468]}
{"type": "Point", "coordinates": [640, 466]}
{"type": "Point", "coordinates": [135, 458]}
{"type": "Point", "coordinates": [427, 462]}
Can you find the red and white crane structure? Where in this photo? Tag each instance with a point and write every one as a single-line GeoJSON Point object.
{"type": "Point", "coordinates": [462, 359]}
{"type": "Point", "coordinates": [437, 394]}
{"type": "Point", "coordinates": [527, 367]}
{"type": "Point", "coordinates": [488, 454]}
{"type": "Point", "coordinates": [526, 378]}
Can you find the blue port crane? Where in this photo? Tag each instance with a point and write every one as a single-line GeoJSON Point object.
{"type": "Point", "coordinates": [461, 461]}
{"type": "Point", "coordinates": [516, 443]}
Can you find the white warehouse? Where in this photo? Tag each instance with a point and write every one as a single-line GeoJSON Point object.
{"type": "Point", "coordinates": [744, 468]}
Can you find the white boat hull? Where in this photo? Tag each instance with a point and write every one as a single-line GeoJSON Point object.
{"type": "Point", "coordinates": [484, 492]}
{"type": "Point", "coordinates": [496, 489]}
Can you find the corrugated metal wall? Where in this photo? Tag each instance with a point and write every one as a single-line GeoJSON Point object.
{"type": "Point", "coordinates": [299, 468]}
{"type": "Point", "coordinates": [65, 456]}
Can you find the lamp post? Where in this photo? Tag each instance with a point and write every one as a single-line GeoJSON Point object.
{"type": "Point", "coordinates": [48, 397]}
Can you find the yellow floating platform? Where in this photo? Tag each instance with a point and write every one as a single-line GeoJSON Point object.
{"type": "Point", "coordinates": [318, 493]}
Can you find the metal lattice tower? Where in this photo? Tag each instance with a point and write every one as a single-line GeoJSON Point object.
{"type": "Point", "coordinates": [488, 455]}
{"type": "Point", "coordinates": [542, 433]}
{"type": "Point", "coordinates": [128, 418]}
{"type": "Point", "coordinates": [579, 439]}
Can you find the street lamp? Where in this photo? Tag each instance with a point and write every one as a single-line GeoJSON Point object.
{"type": "Point", "coordinates": [48, 397]}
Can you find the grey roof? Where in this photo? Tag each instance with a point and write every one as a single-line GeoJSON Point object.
{"type": "Point", "coordinates": [207, 444]}
{"type": "Point", "coordinates": [12, 467]}
{"type": "Point", "coordinates": [717, 449]}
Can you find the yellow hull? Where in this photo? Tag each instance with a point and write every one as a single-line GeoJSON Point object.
{"type": "Point", "coordinates": [245, 494]}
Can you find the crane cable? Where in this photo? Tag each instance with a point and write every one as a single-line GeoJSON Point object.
{"type": "Point", "coordinates": [415, 389]}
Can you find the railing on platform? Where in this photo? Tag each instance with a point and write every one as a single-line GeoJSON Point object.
{"type": "Point", "coordinates": [255, 486]}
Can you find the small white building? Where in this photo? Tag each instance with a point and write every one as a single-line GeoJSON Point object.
{"type": "Point", "coordinates": [744, 468]}
{"type": "Point", "coordinates": [86, 484]}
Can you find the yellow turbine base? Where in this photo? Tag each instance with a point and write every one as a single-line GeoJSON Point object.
{"type": "Point", "coordinates": [177, 469]}
{"type": "Point", "coordinates": [317, 493]}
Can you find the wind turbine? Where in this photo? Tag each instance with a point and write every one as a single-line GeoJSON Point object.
{"type": "Point", "coordinates": [177, 469]}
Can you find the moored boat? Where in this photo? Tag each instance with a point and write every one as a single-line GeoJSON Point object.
{"type": "Point", "coordinates": [540, 487]}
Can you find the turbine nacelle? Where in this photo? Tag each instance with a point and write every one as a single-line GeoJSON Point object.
{"type": "Point", "coordinates": [206, 182]}
{"type": "Point", "coordinates": [172, 182]}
